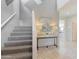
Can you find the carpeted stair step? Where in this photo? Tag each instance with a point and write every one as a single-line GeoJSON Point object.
{"type": "Point", "coordinates": [18, 56]}
{"type": "Point", "coordinates": [23, 26]}
{"type": "Point", "coordinates": [20, 34]}
{"type": "Point", "coordinates": [18, 43]}
{"type": "Point", "coordinates": [19, 38]}
{"type": "Point", "coordinates": [22, 30]}
{"type": "Point", "coordinates": [16, 49]}
{"type": "Point", "coordinates": [15, 35]}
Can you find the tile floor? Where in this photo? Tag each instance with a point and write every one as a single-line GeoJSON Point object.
{"type": "Point", "coordinates": [66, 50]}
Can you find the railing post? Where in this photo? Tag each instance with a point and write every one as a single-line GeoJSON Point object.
{"type": "Point", "coordinates": [34, 37]}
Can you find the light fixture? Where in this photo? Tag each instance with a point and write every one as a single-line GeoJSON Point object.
{"type": "Point", "coordinates": [38, 2]}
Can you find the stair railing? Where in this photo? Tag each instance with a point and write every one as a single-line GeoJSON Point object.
{"type": "Point", "coordinates": [7, 20]}
{"type": "Point", "coordinates": [34, 37]}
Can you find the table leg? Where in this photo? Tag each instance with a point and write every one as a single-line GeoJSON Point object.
{"type": "Point", "coordinates": [47, 46]}
{"type": "Point", "coordinates": [37, 43]}
{"type": "Point", "coordinates": [54, 41]}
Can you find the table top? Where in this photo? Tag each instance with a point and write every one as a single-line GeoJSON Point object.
{"type": "Point", "coordinates": [47, 36]}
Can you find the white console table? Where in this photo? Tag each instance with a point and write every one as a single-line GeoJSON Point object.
{"type": "Point", "coordinates": [48, 36]}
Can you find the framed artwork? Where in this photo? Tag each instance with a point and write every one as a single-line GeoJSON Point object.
{"type": "Point", "coordinates": [46, 28]}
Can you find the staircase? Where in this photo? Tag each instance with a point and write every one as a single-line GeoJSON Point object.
{"type": "Point", "coordinates": [19, 45]}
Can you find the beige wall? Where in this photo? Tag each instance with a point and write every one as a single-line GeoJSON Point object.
{"type": "Point", "coordinates": [6, 11]}
{"type": "Point", "coordinates": [74, 28]}
{"type": "Point", "coordinates": [68, 13]}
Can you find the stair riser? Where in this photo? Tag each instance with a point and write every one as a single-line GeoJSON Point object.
{"type": "Point", "coordinates": [23, 27]}
{"type": "Point", "coordinates": [21, 34]}
{"type": "Point", "coordinates": [17, 44]}
{"type": "Point", "coordinates": [16, 35]}
{"type": "Point", "coordinates": [29, 57]}
{"type": "Point", "coordinates": [24, 36]}
{"type": "Point", "coordinates": [22, 30]}
{"type": "Point", "coordinates": [19, 38]}
{"type": "Point", "coordinates": [14, 51]}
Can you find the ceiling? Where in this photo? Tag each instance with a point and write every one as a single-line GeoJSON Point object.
{"type": "Point", "coordinates": [30, 3]}
{"type": "Point", "coordinates": [48, 8]}
{"type": "Point", "coordinates": [61, 3]}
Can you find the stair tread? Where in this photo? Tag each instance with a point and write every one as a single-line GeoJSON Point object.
{"type": "Point", "coordinates": [23, 26]}
{"type": "Point", "coordinates": [16, 31]}
{"type": "Point", "coordinates": [22, 32]}
{"type": "Point", "coordinates": [19, 38]}
{"type": "Point", "coordinates": [17, 55]}
{"type": "Point", "coordinates": [21, 29]}
{"type": "Point", "coordinates": [16, 47]}
{"type": "Point", "coordinates": [27, 35]}
{"type": "Point", "coordinates": [22, 35]}
{"type": "Point", "coordinates": [19, 41]}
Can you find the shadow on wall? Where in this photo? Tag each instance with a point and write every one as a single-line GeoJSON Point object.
{"type": "Point", "coordinates": [8, 2]}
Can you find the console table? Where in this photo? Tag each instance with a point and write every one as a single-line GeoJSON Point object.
{"type": "Point", "coordinates": [45, 37]}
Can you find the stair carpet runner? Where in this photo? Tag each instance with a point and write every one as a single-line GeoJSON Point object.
{"type": "Point", "coordinates": [19, 44]}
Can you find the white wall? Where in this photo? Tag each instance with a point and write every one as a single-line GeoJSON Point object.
{"type": "Point", "coordinates": [6, 11]}
{"type": "Point", "coordinates": [25, 14]}
{"type": "Point", "coordinates": [7, 29]}
{"type": "Point", "coordinates": [48, 8]}
{"type": "Point", "coordinates": [68, 29]}
{"type": "Point", "coordinates": [71, 28]}
{"type": "Point", "coordinates": [67, 13]}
